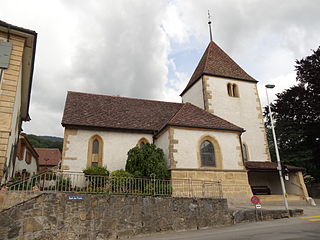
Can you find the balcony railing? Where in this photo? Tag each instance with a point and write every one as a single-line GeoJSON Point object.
{"type": "Point", "coordinates": [82, 183]}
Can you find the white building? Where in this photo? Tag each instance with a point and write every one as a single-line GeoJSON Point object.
{"type": "Point", "coordinates": [216, 133]}
{"type": "Point", "coordinates": [26, 163]}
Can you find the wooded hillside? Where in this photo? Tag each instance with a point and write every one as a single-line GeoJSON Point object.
{"type": "Point", "coordinates": [45, 141]}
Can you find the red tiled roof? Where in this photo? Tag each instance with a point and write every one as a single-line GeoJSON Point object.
{"type": "Point", "coordinates": [216, 62]}
{"type": "Point", "coordinates": [111, 112]}
{"type": "Point", "coordinates": [49, 156]}
{"type": "Point", "coordinates": [191, 115]}
{"type": "Point", "coordinates": [271, 166]}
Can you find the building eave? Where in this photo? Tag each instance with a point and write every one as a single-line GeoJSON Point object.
{"type": "Point", "coordinates": [111, 129]}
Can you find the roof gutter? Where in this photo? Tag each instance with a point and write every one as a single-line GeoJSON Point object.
{"type": "Point", "coordinates": [73, 126]}
{"type": "Point", "coordinates": [31, 74]}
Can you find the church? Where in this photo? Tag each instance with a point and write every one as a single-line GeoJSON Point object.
{"type": "Point", "coordinates": [216, 133]}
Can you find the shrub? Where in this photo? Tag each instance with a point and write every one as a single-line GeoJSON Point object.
{"type": "Point", "coordinates": [121, 181]}
{"type": "Point", "coordinates": [95, 170]}
{"type": "Point", "coordinates": [63, 184]}
{"type": "Point", "coordinates": [97, 178]}
{"type": "Point", "coordinates": [147, 160]}
{"type": "Point", "coordinates": [121, 174]}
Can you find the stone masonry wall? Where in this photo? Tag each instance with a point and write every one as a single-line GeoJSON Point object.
{"type": "Point", "coordinates": [53, 216]}
{"type": "Point", "coordinates": [9, 199]}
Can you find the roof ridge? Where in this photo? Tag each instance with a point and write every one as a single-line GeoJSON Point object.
{"type": "Point", "coordinates": [206, 60]}
{"type": "Point", "coordinates": [166, 123]}
{"type": "Point", "coordinates": [206, 112]}
{"type": "Point", "coordinates": [132, 98]}
{"type": "Point", "coordinates": [184, 104]}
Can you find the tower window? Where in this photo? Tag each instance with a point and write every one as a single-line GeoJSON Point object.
{"type": "Point", "coordinates": [229, 86]}
{"type": "Point", "coordinates": [233, 90]}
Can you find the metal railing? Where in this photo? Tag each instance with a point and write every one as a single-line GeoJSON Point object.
{"type": "Point", "coordinates": [82, 183]}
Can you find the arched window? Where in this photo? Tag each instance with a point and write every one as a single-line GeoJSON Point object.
{"type": "Point", "coordinates": [95, 146]}
{"type": "Point", "coordinates": [207, 154]}
{"type": "Point", "coordinates": [142, 142]}
{"type": "Point", "coordinates": [235, 90]}
{"type": "Point", "coordinates": [230, 91]}
{"type": "Point", "coordinates": [95, 151]}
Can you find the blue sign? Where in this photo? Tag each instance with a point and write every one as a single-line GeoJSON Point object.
{"type": "Point", "coordinates": [75, 198]}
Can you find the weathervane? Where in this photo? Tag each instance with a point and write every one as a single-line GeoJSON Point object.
{"type": "Point", "coordinates": [209, 22]}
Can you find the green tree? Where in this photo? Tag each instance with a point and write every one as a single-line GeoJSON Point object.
{"type": "Point", "coordinates": [147, 160]}
{"type": "Point", "coordinates": [42, 142]}
{"type": "Point", "coordinates": [297, 117]}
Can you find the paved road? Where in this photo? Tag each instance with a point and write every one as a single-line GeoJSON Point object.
{"type": "Point", "coordinates": [302, 228]}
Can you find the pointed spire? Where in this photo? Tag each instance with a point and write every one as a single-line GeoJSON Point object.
{"type": "Point", "coordinates": [215, 62]}
{"type": "Point", "coordinates": [209, 23]}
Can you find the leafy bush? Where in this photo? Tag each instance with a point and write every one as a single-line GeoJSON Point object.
{"type": "Point", "coordinates": [147, 160]}
{"type": "Point", "coordinates": [121, 174]}
{"type": "Point", "coordinates": [121, 181]}
{"type": "Point", "coordinates": [97, 178]}
{"type": "Point", "coordinates": [95, 170]}
{"type": "Point", "coordinates": [63, 184]}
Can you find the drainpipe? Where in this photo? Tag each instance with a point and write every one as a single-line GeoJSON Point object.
{"type": "Point", "coordinates": [242, 153]}
{"type": "Point", "coordinates": [154, 133]}
{"type": "Point", "coordinates": [0, 75]}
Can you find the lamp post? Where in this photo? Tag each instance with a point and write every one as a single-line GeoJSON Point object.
{"type": "Point", "coordinates": [279, 168]}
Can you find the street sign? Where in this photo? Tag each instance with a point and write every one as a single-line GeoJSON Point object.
{"type": "Point", "coordinates": [258, 206]}
{"type": "Point", "coordinates": [75, 198]}
{"type": "Point", "coordinates": [255, 200]}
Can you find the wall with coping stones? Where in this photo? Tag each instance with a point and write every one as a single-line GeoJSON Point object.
{"type": "Point", "coordinates": [52, 216]}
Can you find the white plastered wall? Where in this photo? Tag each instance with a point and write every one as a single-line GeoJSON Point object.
{"type": "Point", "coordinates": [188, 144]}
{"type": "Point", "coordinates": [115, 148]}
{"type": "Point", "coordinates": [271, 179]}
{"type": "Point", "coordinates": [194, 95]}
{"type": "Point", "coordinates": [21, 164]}
{"type": "Point", "coordinates": [244, 111]}
{"type": "Point", "coordinates": [163, 142]}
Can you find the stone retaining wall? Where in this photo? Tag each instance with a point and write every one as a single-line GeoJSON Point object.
{"type": "Point", "coordinates": [11, 198]}
{"type": "Point", "coordinates": [54, 216]}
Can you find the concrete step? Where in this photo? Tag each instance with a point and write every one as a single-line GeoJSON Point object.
{"type": "Point", "coordinates": [277, 200]}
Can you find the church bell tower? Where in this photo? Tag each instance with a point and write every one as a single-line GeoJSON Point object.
{"type": "Point", "coordinates": [220, 86]}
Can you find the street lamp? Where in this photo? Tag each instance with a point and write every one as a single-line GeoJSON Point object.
{"type": "Point", "coordinates": [279, 168]}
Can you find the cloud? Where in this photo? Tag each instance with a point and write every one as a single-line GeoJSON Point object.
{"type": "Point", "coordinates": [149, 49]}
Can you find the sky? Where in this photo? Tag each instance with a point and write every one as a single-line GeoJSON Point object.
{"type": "Point", "coordinates": [150, 48]}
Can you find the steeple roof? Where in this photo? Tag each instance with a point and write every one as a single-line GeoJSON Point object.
{"type": "Point", "coordinates": [216, 62]}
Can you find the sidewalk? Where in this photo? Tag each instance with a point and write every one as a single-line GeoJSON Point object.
{"type": "Point", "coordinates": [308, 210]}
